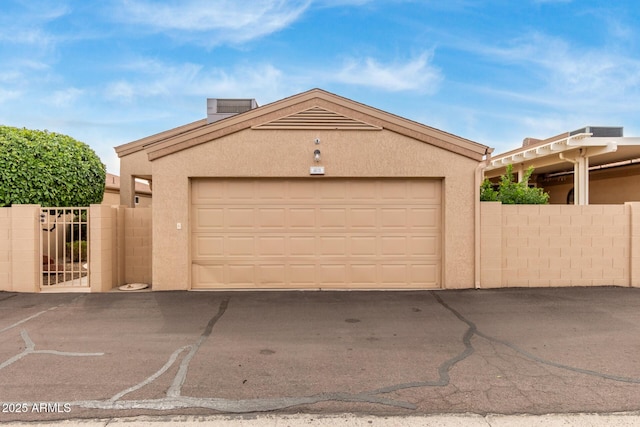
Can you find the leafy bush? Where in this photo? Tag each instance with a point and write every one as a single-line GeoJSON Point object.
{"type": "Point", "coordinates": [49, 169]}
{"type": "Point", "coordinates": [511, 192]}
{"type": "Point", "coordinates": [77, 251]}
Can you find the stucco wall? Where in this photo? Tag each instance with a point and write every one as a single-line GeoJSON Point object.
{"type": "Point", "coordinates": [282, 153]}
{"type": "Point", "coordinates": [136, 164]}
{"type": "Point", "coordinates": [608, 186]}
{"type": "Point", "coordinates": [547, 245]}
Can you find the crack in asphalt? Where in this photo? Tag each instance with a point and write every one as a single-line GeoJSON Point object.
{"type": "Point", "coordinates": [33, 316]}
{"type": "Point", "coordinates": [181, 376]}
{"type": "Point", "coordinates": [174, 400]}
{"type": "Point", "coordinates": [30, 348]}
{"type": "Point", "coordinates": [528, 355]}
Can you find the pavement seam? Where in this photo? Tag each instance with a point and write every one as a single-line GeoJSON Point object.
{"type": "Point", "coordinates": [531, 356]}
{"type": "Point", "coordinates": [447, 365]}
{"type": "Point", "coordinates": [154, 376]}
{"type": "Point", "coordinates": [30, 349]}
{"type": "Point", "coordinates": [33, 316]}
{"type": "Point", "coordinates": [181, 376]}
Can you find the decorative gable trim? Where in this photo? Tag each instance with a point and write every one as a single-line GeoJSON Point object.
{"type": "Point", "coordinates": [317, 118]}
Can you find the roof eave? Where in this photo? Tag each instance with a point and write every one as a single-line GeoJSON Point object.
{"type": "Point", "coordinates": [319, 97]}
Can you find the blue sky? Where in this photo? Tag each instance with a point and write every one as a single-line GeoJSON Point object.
{"type": "Point", "coordinates": [108, 72]}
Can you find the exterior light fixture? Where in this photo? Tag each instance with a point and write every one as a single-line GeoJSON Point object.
{"type": "Point", "coordinates": [316, 155]}
{"type": "Point", "coordinates": [317, 141]}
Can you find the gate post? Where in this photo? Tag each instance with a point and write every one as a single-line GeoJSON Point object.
{"type": "Point", "coordinates": [25, 248]}
{"type": "Point", "coordinates": [633, 210]}
{"type": "Point", "coordinates": [102, 248]}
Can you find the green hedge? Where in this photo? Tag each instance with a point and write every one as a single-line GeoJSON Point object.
{"type": "Point", "coordinates": [49, 169]}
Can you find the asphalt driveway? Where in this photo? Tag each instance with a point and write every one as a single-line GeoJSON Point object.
{"type": "Point", "coordinates": [507, 351]}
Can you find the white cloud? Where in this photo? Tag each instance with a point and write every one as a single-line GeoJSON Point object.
{"type": "Point", "coordinates": [210, 23]}
{"type": "Point", "coordinates": [25, 26]}
{"type": "Point", "coordinates": [65, 97]}
{"type": "Point", "coordinates": [414, 75]}
{"type": "Point", "coordinates": [156, 79]}
{"type": "Point", "coordinates": [570, 73]}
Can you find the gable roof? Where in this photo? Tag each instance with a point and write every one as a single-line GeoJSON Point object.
{"type": "Point", "coordinates": [317, 118]}
{"type": "Point", "coordinates": [314, 109]}
{"type": "Point", "coordinates": [141, 144]}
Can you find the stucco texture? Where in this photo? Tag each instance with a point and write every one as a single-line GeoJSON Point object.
{"type": "Point", "coordinates": [289, 153]}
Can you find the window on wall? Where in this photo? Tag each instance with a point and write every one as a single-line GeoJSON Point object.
{"type": "Point", "coordinates": [137, 200]}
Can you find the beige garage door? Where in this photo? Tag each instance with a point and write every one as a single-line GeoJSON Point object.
{"type": "Point", "coordinates": [316, 233]}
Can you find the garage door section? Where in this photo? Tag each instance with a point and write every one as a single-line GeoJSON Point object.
{"type": "Point", "coordinates": [315, 233]}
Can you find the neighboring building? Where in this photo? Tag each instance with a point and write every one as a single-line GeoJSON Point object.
{"type": "Point", "coordinates": [314, 191]}
{"type": "Point", "coordinates": [142, 195]}
{"type": "Point", "coordinates": [606, 164]}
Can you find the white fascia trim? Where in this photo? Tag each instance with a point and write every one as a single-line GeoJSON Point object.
{"type": "Point", "coordinates": [531, 153]}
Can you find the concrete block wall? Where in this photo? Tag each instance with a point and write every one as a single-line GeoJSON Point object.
{"type": "Point", "coordinates": [119, 247]}
{"type": "Point", "coordinates": [137, 245]}
{"type": "Point", "coordinates": [559, 245]}
{"type": "Point", "coordinates": [5, 249]}
{"type": "Point", "coordinates": [102, 248]}
{"type": "Point", "coordinates": [19, 248]}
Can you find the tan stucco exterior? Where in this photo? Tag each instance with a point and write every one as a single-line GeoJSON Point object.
{"type": "Point", "coordinates": [260, 144]}
{"type": "Point", "coordinates": [142, 192]}
{"type": "Point", "coordinates": [595, 167]}
{"type": "Point", "coordinates": [615, 185]}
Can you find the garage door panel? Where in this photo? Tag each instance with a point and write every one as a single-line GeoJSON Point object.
{"type": "Point", "coordinates": [332, 218]}
{"type": "Point", "coordinates": [272, 274]}
{"type": "Point", "coordinates": [302, 246]}
{"type": "Point", "coordinates": [425, 274]}
{"type": "Point", "coordinates": [272, 218]}
{"type": "Point", "coordinates": [393, 245]}
{"type": "Point", "coordinates": [423, 218]}
{"type": "Point", "coordinates": [363, 218]}
{"type": "Point", "coordinates": [302, 218]}
{"type": "Point", "coordinates": [364, 274]}
{"type": "Point", "coordinates": [393, 218]}
{"type": "Point", "coordinates": [302, 274]}
{"type": "Point", "coordinates": [207, 276]}
{"type": "Point", "coordinates": [241, 190]}
{"type": "Point", "coordinates": [240, 246]}
{"type": "Point", "coordinates": [393, 274]}
{"type": "Point", "coordinates": [423, 246]}
{"type": "Point", "coordinates": [299, 191]}
{"type": "Point", "coordinates": [363, 246]}
{"type": "Point", "coordinates": [393, 190]}
{"type": "Point", "coordinates": [332, 245]}
{"type": "Point", "coordinates": [204, 246]}
{"type": "Point", "coordinates": [270, 190]}
{"type": "Point", "coordinates": [239, 218]}
{"type": "Point", "coordinates": [297, 233]}
{"type": "Point", "coordinates": [208, 219]}
{"type": "Point", "coordinates": [241, 274]}
{"type": "Point", "coordinates": [272, 246]}
{"type": "Point", "coordinates": [331, 191]}
{"type": "Point", "coordinates": [362, 191]}
{"type": "Point", "coordinates": [430, 194]}
{"type": "Point", "coordinates": [205, 192]}
{"type": "Point", "coordinates": [332, 274]}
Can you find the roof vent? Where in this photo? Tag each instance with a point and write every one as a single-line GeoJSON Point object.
{"type": "Point", "coordinates": [218, 109]}
{"type": "Point", "coordinates": [600, 131]}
